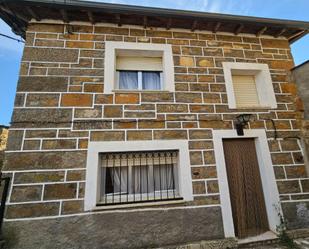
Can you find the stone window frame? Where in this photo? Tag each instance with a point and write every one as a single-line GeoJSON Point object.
{"type": "Point", "coordinates": [92, 169]}
{"type": "Point", "coordinates": [265, 89]}
{"type": "Point", "coordinates": [110, 64]}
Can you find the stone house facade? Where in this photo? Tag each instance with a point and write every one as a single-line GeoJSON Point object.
{"type": "Point", "coordinates": [71, 117]}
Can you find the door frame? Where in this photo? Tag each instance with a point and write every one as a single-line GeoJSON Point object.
{"type": "Point", "coordinates": [271, 195]}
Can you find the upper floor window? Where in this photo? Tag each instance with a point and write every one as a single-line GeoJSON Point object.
{"type": "Point", "coordinates": [138, 67]}
{"type": "Point", "coordinates": [139, 73]}
{"type": "Point", "coordinates": [249, 85]}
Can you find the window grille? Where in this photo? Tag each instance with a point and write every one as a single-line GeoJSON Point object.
{"type": "Point", "coordinates": [131, 177]}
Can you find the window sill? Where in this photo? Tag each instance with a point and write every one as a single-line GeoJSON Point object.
{"type": "Point", "coordinates": [134, 205]}
{"type": "Point", "coordinates": [139, 91]}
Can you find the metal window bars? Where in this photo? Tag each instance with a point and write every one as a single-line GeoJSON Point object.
{"type": "Point", "coordinates": [134, 177]}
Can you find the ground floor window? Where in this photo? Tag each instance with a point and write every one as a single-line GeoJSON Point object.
{"type": "Point", "coordinates": [128, 177]}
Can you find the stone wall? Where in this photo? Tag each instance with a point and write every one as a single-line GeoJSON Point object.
{"type": "Point", "coordinates": [60, 106]}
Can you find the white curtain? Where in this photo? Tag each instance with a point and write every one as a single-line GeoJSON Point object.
{"type": "Point", "coordinates": [119, 179]}
{"type": "Point", "coordinates": [151, 81]}
{"type": "Point", "coordinates": [165, 173]}
{"type": "Point", "coordinates": [128, 80]}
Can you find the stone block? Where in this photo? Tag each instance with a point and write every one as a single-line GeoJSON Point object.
{"type": "Point", "coordinates": [289, 145]}
{"type": "Point", "coordinates": [204, 62]}
{"type": "Point", "coordinates": [92, 124]}
{"type": "Point", "coordinates": [40, 133]}
{"type": "Point", "coordinates": [103, 99]}
{"type": "Point", "coordinates": [52, 28]}
{"type": "Point", "coordinates": [32, 210]}
{"type": "Point", "coordinates": [200, 134]}
{"type": "Point", "coordinates": [204, 172]}
{"type": "Point", "coordinates": [282, 158]}
{"type": "Point", "coordinates": [76, 99]}
{"type": "Point", "coordinates": [93, 88]}
{"type": "Point", "coordinates": [151, 124]}
{"type": "Point", "coordinates": [127, 98]}
{"type": "Point", "coordinates": [159, 33]}
{"type": "Point", "coordinates": [171, 108]}
{"type": "Point", "coordinates": [60, 191]}
{"type": "Point", "coordinates": [186, 61]}
{"type": "Point", "coordinates": [212, 187]}
{"type": "Point", "coordinates": [216, 124]}
{"type": "Point", "coordinates": [209, 157]}
{"type": "Point", "coordinates": [76, 175]}
{"type": "Point", "coordinates": [79, 44]}
{"type": "Point", "coordinates": [170, 134]}
{"type": "Point", "coordinates": [297, 214]}
{"type": "Point", "coordinates": [72, 207]}
{"type": "Point", "coordinates": [199, 187]}
{"type": "Point", "coordinates": [288, 187]}
{"type": "Point", "coordinates": [26, 193]}
{"type": "Point", "coordinates": [211, 98]}
{"type": "Point", "coordinates": [201, 108]}
{"type": "Point", "coordinates": [53, 54]}
{"type": "Point", "coordinates": [42, 118]}
{"type": "Point", "coordinates": [31, 145]}
{"type": "Point", "coordinates": [113, 111]}
{"type": "Point", "coordinates": [42, 84]}
{"type": "Point", "coordinates": [45, 160]}
{"type": "Point", "coordinates": [229, 38]}
{"type": "Point", "coordinates": [200, 145]}
{"type": "Point", "coordinates": [42, 100]}
{"type": "Point", "coordinates": [275, 43]}
{"type": "Point", "coordinates": [49, 43]}
{"type": "Point", "coordinates": [57, 144]}
{"type": "Point", "coordinates": [155, 97]}
{"type": "Point", "coordinates": [15, 140]}
{"type": "Point", "coordinates": [95, 112]}
{"type": "Point", "coordinates": [107, 136]}
{"type": "Point", "coordinates": [38, 177]}
{"type": "Point", "coordinates": [125, 124]}
{"type": "Point", "coordinates": [111, 30]}
{"type": "Point", "coordinates": [196, 158]}
{"type": "Point", "coordinates": [139, 135]}
{"type": "Point", "coordinates": [188, 97]}
{"type": "Point", "coordinates": [296, 171]}
{"type": "Point", "coordinates": [185, 35]}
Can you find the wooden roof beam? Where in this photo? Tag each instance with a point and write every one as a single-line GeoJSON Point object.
{"type": "Point", "coordinates": [33, 14]}
{"type": "Point", "coordinates": [194, 25]}
{"type": "Point", "coordinates": [238, 29]}
{"type": "Point", "coordinates": [217, 27]}
{"type": "Point", "coordinates": [64, 15]}
{"type": "Point", "coordinates": [280, 33]}
{"type": "Point", "coordinates": [261, 31]}
{"type": "Point", "coordinates": [296, 36]}
{"type": "Point", "coordinates": [90, 17]}
{"type": "Point", "coordinates": [145, 22]}
{"type": "Point", "coordinates": [118, 20]}
{"type": "Point", "coordinates": [169, 24]}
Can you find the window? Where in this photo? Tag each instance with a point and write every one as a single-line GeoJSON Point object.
{"type": "Point", "coordinates": [136, 173]}
{"type": "Point", "coordinates": [129, 177]}
{"type": "Point", "coordinates": [138, 67]}
{"type": "Point", "coordinates": [139, 73]}
{"type": "Point", "coordinates": [249, 85]}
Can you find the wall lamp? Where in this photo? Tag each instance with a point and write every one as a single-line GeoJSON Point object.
{"type": "Point", "coordinates": [241, 121]}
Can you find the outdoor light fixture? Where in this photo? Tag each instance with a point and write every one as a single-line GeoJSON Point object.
{"type": "Point", "coordinates": [241, 121]}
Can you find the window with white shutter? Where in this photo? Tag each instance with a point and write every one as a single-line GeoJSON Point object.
{"type": "Point", "coordinates": [249, 85]}
{"type": "Point", "coordinates": [245, 91]}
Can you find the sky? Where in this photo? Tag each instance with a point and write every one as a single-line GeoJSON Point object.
{"type": "Point", "coordinates": [11, 51]}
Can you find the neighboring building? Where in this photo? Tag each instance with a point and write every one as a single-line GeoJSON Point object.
{"type": "Point", "coordinates": [3, 142]}
{"type": "Point", "coordinates": [300, 75]}
{"type": "Point", "coordinates": [123, 133]}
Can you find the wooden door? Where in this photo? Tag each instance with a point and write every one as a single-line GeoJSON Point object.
{"type": "Point", "coordinates": [246, 192]}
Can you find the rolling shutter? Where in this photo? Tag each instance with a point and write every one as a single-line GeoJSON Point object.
{"type": "Point", "coordinates": [139, 63]}
{"type": "Point", "coordinates": [245, 91]}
